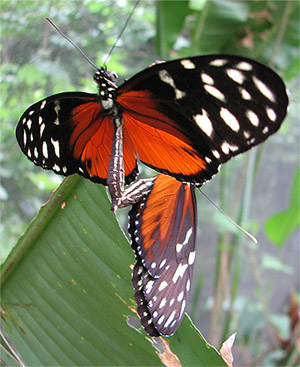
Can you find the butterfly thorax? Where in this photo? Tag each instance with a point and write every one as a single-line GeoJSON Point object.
{"type": "Point", "coordinates": [105, 80]}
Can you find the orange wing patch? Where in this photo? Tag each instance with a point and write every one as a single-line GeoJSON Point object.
{"type": "Point", "coordinates": [165, 215]}
{"type": "Point", "coordinates": [91, 141]}
{"type": "Point", "coordinates": [157, 139]}
{"type": "Point", "coordinates": [160, 209]}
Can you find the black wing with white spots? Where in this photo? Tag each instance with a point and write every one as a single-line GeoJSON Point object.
{"type": "Point", "coordinates": [163, 233]}
{"type": "Point", "coordinates": [45, 129]}
{"type": "Point", "coordinates": [223, 104]}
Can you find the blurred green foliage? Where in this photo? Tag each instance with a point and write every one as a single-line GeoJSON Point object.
{"type": "Point", "coordinates": [37, 62]}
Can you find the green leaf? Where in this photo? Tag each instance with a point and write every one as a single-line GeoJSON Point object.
{"type": "Point", "coordinates": [217, 25]}
{"type": "Point", "coordinates": [281, 225]}
{"type": "Point", "coordinates": [170, 19]}
{"type": "Point", "coordinates": [273, 263]}
{"type": "Point", "coordinates": [67, 294]}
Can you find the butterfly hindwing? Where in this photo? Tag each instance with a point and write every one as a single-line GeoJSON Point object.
{"type": "Point", "coordinates": [163, 232]}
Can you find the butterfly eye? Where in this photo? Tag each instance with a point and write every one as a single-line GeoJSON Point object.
{"type": "Point", "coordinates": [113, 76]}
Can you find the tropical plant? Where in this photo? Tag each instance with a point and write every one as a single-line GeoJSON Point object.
{"type": "Point", "coordinates": [66, 292]}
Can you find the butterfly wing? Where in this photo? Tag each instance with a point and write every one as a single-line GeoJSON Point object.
{"type": "Point", "coordinates": [163, 233]}
{"type": "Point", "coordinates": [68, 134]}
{"type": "Point", "coordinates": [186, 117]}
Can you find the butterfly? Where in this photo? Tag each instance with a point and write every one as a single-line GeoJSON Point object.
{"type": "Point", "coordinates": [162, 227]}
{"type": "Point", "coordinates": [183, 118]}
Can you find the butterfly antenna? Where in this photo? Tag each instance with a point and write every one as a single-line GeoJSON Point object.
{"type": "Point", "coordinates": [228, 217]}
{"type": "Point", "coordinates": [122, 31]}
{"type": "Point", "coordinates": [72, 43]}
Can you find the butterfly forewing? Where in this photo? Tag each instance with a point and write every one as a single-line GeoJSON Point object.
{"type": "Point", "coordinates": [163, 233]}
{"type": "Point", "coordinates": [216, 106]}
{"type": "Point", "coordinates": [69, 134]}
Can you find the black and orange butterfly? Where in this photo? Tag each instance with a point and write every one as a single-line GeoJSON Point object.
{"type": "Point", "coordinates": [162, 227]}
{"type": "Point", "coordinates": [183, 118]}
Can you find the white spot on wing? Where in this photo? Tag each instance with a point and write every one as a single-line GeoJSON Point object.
{"type": "Point", "coordinates": [162, 285]}
{"type": "Point", "coordinates": [170, 319]}
{"type": "Point", "coordinates": [252, 117]}
{"type": "Point", "coordinates": [233, 148]}
{"type": "Point", "coordinates": [225, 147]}
{"type": "Point", "coordinates": [265, 90]}
{"type": "Point", "coordinates": [149, 286]}
{"type": "Point", "coordinates": [245, 94]}
{"type": "Point", "coordinates": [160, 320]}
{"type": "Point", "coordinates": [244, 65]}
{"type": "Point", "coordinates": [188, 285]}
{"type": "Point", "coordinates": [271, 114]}
{"type": "Point", "coordinates": [204, 122]}
{"type": "Point", "coordinates": [29, 123]}
{"type": "Point", "coordinates": [56, 168]}
{"type": "Point", "coordinates": [182, 308]}
{"type": "Point", "coordinates": [188, 64]}
{"type": "Point", "coordinates": [186, 240]}
{"type": "Point", "coordinates": [56, 147]}
{"type": "Point", "coordinates": [192, 256]}
{"type": "Point", "coordinates": [179, 247]}
{"type": "Point", "coordinates": [236, 75]}
{"type": "Point", "coordinates": [207, 79]}
{"type": "Point", "coordinates": [163, 263]}
{"type": "Point", "coordinates": [229, 119]}
{"type": "Point", "coordinates": [246, 134]}
{"type": "Point", "coordinates": [213, 91]}
{"type": "Point", "coordinates": [42, 128]}
{"type": "Point", "coordinates": [180, 296]}
{"type": "Point", "coordinates": [179, 272]}
{"type": "Point", "coordinates": [24, 138]}
{"type": "Point", "coordinates": [265, 130]}
{"type": "Point", "coordinates": [166, 78]}
{"type": "Point", "coordinates": [173, 323]}
{"type": "Point", "coordinates": [216, 154]}
{"type": "Point", "coordinates": [218, 62]}
{"type": "Point", "coordinates": [45, 150]}
{"type": "Point", "coordinates": [43, 104]}
{"type": "Point", "coordinates": [162, 303]}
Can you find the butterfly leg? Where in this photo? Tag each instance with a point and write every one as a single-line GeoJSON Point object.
{"type": "Point", "coordinates": [136, 191]}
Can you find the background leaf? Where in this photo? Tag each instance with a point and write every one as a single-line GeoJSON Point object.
{"type": "Point", "coordinates": [169, 22]}
{"type": "Point", "coordinates": [269, 33]}
{"type": "Point", "coordinates": [281, 225]}
{"type": "Point", "coordinates": [67, 294]}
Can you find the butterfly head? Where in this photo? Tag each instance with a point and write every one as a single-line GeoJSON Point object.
{"type": "Point", "coordinates": [106, 76]}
